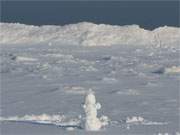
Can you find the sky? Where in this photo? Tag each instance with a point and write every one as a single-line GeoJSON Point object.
{"type": "Point", "coordinates": [147, 14]}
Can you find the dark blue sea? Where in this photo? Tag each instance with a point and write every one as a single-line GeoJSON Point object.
{"type": "Point", "coordinates": [147, 14]}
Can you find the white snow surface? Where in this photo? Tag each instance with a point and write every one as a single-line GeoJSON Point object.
{"type": "Point", "coordinates": [88, 34]}
{"type": "Point", "coordinates": [46, 71]}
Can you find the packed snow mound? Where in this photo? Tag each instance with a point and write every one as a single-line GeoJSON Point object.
{"type": "Point", "coordinates": [88, 34]}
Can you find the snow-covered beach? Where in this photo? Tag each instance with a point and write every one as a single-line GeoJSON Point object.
{"type": "Point", "coordinates": [46, 72]}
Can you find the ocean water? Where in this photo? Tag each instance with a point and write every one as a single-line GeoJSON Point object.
{"type": "Point", "coordinates": [147, 14]}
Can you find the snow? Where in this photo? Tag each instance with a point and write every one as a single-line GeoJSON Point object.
{"type": "Point", "coordinates": [47, 71]}
{"type": "Point", "coordinates": [134, 119]}
{"type": "Point", "coordinates": [88, 34]}
{"type": "Point", "coordinates": [21, 58]}
{"type": "Point", "coordinates": [173, 69]}
{"type": "Point", "coordinates": [40, 118]}
{"type": "Point", "coordinates": [75, 90]}
{"type": "Point", "coordinates": [45, 119]}
{"type": "Point", "coordinates": [91, 123]}
{"type": "Point", "coordinates": [140, 120]}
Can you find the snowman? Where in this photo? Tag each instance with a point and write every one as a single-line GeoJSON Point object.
{"type": "Point", "coordinates": [92, 122]}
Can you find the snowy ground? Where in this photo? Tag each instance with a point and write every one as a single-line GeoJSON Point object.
{"type": "Point", "coordinates": [43, 86]}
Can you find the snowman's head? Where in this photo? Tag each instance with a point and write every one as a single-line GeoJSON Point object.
{"type": "Point", "coordinates": [90, 98]}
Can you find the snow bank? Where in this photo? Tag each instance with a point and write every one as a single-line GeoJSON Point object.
{"type": "Point", "coordinates": [88, 34]}
{"type": "Point", "coordinates": [42, 117]}
{"type": "Point", "coordinates": [173, 70]}
{"type": "Point", "coordinates": [21, 58]}
{"type": "Point", "coordinates": [177, 133]}
{"type": "Point", "coordinates": [58, 120]}
{"type": "Point", "coordinates": [75, 90]}
{"type": "Point", "coordinates": [136, 120]}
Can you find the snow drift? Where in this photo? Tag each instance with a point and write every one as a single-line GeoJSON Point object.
{"type": "Point", "coordinates": [45, 119]}
{"type": "Point", "coordinates": [88, 34]}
